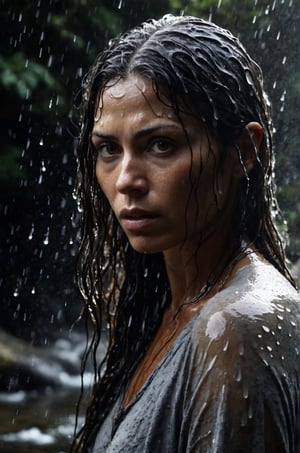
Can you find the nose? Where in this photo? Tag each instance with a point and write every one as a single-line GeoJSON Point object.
{"type": "Point", "coordinates": [132, 178]}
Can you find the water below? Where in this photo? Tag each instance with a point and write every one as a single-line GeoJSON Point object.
{"type": "Point", "coordinates": [32, 422]}
{"type": "Point", "coordinates": [39, 421]}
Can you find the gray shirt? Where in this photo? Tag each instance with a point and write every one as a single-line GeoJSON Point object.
{"type": "Point", "coordinates": [229, 383]}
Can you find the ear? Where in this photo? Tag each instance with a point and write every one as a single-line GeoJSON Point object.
{"type": "Point", "coordinates": [248, 147]}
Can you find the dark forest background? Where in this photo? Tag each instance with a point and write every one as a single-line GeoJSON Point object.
{"type": "Point", "coordinates": [45, 49]}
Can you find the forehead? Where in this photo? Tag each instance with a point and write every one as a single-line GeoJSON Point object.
{"type": "Point", "coordinates": [133, 94]}
{"type": "Point", "coordinates": [133, 85]}
{"type": "Point", "coordinates": [133, 103]}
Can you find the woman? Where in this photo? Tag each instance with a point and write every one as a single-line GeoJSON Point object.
{"type": "Point", "coordinates": [180, 254]}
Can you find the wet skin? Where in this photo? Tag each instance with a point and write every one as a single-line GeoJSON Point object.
{"type": "Point", "coordinates": [144, 168]}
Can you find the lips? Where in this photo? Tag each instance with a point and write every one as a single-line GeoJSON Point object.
{"type": "Point", "coordinates": [135, 219]}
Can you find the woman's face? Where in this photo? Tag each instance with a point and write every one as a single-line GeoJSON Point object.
{"type": "Point", "coordinates": [161, 179]}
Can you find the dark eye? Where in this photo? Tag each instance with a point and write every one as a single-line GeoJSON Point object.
{"type": "Point", "coordinates": [161, 145]}
{"type": "Point", "coordinates": [106, 150]}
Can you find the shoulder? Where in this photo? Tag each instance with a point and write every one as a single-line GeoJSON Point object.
{"type": "Point", "coordinates": [245, 365]}
{"type": "Point", "coordinates": [258, 311]}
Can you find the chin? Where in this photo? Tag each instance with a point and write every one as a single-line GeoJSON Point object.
{"type": "Point", "coordinates": [147, 250]}
{"type": "Point", "coordinates": [146, 246]}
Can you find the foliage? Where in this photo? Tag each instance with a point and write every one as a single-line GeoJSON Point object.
{"type": "Point", "coordinates": [19, 74]}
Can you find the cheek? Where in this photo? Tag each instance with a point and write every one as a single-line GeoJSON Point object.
{"type": "Point", "coordinates": [105, 182]}
{"type": "Point", "coordinates": [99, 177]}
{"type": "Point", "coordinates": [203, 200]}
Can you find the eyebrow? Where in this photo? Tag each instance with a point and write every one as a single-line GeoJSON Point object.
{"type": "Point", "coordinates": [136, 135]}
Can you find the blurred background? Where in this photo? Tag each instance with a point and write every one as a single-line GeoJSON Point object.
{"type": "Point", "coordinates": [45, 49]}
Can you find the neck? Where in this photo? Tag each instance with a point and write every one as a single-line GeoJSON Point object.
{"type": "Point", "coordinates": [190, 273]}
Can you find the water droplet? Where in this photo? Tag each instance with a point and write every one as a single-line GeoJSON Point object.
{"type": "Point", "coordinates": [238, 374]}
{"type": "Point", "coordinates": [31, 232]}
{"type": "Point", "coordinates": [265, 328]}
{"type": "Point", "coordinates": [244, 419]}
{"type": "Point", "coordinates": [46, 237]}
{"type": "Point", "coordinates": [250, 412]}
{"type": "Point", "coordinates": [50, 61]}
{"type": "Point", "coordinates": [225, 348]}
{"type": "Point", "coordinates": [241, 349]}
{"type": "Point", "coordinates": [245, 392]}
{"type": "Point", "coordinates": [282, 98]}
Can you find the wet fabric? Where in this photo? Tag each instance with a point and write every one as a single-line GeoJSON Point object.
{"type": "Point", "coordinates": [229, 383]}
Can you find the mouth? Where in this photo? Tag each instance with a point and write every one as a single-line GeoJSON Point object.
{"type": "Point", "coordinates": [135, 219]}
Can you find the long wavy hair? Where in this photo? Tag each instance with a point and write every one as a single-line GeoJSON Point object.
{"type": "Point", "coordinates": [203, 70]}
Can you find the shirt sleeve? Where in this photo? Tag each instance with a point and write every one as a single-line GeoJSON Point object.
{"type": "Point", "coordinates": [242, 386]}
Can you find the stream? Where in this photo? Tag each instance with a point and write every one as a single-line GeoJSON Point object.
{"type": "Point", "coordinates": [36, 421]}
{"type": "Point", "coordinates": [33, 422]}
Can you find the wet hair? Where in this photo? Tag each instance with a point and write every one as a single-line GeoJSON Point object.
{"type": "Point", "coordinates": [203, 70]}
